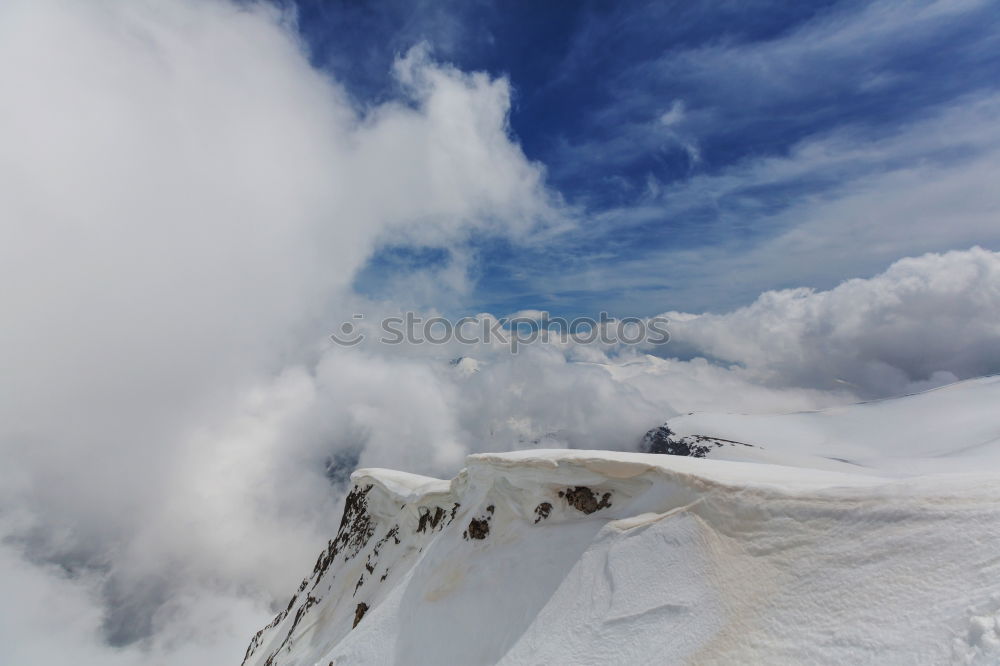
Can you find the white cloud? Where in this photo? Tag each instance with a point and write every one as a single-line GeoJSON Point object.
{"type": "Point", "coordinates": [924, 322]}
{"type": "Point", "coordinates": [185, 202]}
{"type": "Point", "coordinates": [533, 315]}
{"type": "Point", "coordinates": [675, 115]}
{"type": "Point", "coordinates": [49, 617]}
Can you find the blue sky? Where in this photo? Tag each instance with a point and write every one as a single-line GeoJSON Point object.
{"type": "Point", "coordinates": [706, 151]}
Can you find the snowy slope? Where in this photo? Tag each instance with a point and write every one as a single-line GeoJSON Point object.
{"type": "Point", "coordinates": [952, 428]}
{"type": "Point", "coordinates": [593, 557]}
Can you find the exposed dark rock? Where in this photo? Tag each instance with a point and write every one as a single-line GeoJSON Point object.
{"type": "Point", "coordinates": [255, 641]}
{"type": "Point", "coordinates": [391, 534]}
{"type": "Point", "coordinates": [356, 526]}
{"type": "Point", "coordinates": [585, 500]}
{"type": "Point", "coordinates": [479, 529]}
{"type": "Point", "coordinates": [427, 519]}
{"type": "Point", "coordinates": [542, 511]}
{"type": "Point", "coordinates": [356, 529]}
{"type": "Point", "coordinates": [359, 613]}
{"type": "Point", "coordinates": [373, 556]}
{"type": "Point", "coordinates": [663, 440]}
{"type": "Point", "coordinates": [303, 609]}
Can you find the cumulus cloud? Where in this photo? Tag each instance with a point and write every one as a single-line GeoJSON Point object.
{"type": "Point", "coordinates": [924, 322]}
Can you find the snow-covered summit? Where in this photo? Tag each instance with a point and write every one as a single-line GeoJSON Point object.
{"type": "Point", "coordinates": [596, 557]}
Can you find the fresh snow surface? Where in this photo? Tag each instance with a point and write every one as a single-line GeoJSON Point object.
{"type": "Point", "coordinates": [952, 428]}
{"type": "Point", "coordinates": [867, 534]}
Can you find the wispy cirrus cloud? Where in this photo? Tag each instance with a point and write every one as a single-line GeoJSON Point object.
{"type": "Point", "coordinates": [835, 205]}
{"type": "Point", "coordinates": [711, 152]}
{"type": "Point", "coordinates": [751, 93]}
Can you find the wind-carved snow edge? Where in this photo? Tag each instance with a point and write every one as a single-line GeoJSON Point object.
{"type": "Point", "coordinates": [390, 518]}
{"type": "Point", "coordinates": [386, 524]}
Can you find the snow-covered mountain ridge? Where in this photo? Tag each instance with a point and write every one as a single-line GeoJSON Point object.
{"type": "Point", "coordinates": [821, 544]}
